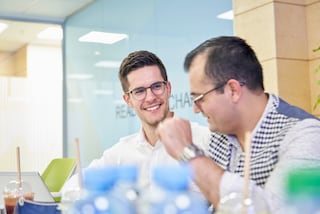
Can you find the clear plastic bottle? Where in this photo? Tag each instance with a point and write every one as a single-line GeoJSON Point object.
{"type": "Point", "coordinates": [303, 191]}
{"type": "Point", "coordinates": [68, 198]}
{"type": "Point", "coordinates": [126, 185]}
{"type": "Point", "coordinates": [173, 195]}
{"type": "Point", "coordinates": [233, 203]}
{"type": "Point", "coordinates": [100, 197]}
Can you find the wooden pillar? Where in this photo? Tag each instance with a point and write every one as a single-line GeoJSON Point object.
{"type": "Point", "coordinates": [283, 33]}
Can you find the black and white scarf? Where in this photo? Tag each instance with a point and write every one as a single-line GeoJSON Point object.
{"type": "Point", "coordinates": [279, 117]}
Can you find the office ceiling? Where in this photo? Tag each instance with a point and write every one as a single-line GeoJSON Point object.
{"type": "Point", "coordinates": [26, 18]}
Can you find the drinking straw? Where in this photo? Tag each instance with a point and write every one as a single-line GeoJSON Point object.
{"type": "Point", "coordinates": [76, 142]}
{"type": "Point", "coordinates": [18, 167]}
{"type": "Point", "coordinates": [245, 192]}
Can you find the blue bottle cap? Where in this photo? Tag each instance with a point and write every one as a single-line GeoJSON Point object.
{"type": "Point", "coordinates": [171, 177]}
{"type": "Point", "coordinates": [127, 173]}
{"type": "Point", "coordinates": [100, 179]}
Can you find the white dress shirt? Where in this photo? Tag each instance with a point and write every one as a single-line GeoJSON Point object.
{"type": "Point", "coordinates": [135, 150]}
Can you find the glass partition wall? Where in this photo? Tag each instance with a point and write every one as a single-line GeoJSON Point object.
{"type": "Point", "coordinates": [94, 110]}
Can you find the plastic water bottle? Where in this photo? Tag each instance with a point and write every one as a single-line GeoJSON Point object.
{"type": "Point", "coordinates": [303, 191]}
{"type": "Point", "coordinates": [126, 185]}
{"type": "Point", "coordinates": [233, 203]}
{"type": "Point", "coordinates": [173, 195]}
{"type": "Point", "coordinates": [69, 197]}
{"type": "Point", "coordinates": [100, 197]}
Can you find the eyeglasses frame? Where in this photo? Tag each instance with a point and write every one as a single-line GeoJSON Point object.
{"type": "Point", "coordinates": [146, 88]}
{"type": "Point", "coordinates": [200, 97]}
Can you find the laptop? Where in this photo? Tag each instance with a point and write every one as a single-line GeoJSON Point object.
{"type": "Point", "coordinates": [41, 192]}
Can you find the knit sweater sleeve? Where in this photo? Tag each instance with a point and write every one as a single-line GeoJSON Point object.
{"type": "Point", "coordinates": [299, 149]}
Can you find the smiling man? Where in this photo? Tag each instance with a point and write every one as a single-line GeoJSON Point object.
{"type": "Point", "coordinates": [147, 91]}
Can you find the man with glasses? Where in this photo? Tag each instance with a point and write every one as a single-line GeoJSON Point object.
{"type": "Point", "coordinates": [226, 83]}
{"type": "Point", "coordinates": [147, 91]}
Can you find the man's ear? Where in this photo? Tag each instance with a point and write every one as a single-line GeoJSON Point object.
{"type": "Point", "coordinates": [169, 88]}
{"type": "Point", "coordinates": [235, 89]}
{"type": "Point", "coordinates": [127, 99]}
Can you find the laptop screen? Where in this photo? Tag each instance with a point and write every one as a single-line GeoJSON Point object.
{"type": "Point", "coordinates": [41, 192]}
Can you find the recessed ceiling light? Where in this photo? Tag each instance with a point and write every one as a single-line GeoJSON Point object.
{"type": "Point", "coordinates": [52, 33]}
{"type": "Point", "coordinates": [102, 37]}
{"type": "Point", "coordinates": [3, 26]}
{"type": "Point", "coordinates": [226, 15]}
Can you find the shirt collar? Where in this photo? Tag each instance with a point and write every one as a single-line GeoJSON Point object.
{"type": "Point", "coordinates": [143, 142]}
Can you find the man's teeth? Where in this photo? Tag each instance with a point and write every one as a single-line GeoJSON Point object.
{"type": "Point", "coordinates": [152, 108]}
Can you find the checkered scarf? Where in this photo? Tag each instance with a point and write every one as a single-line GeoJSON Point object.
{"type": "Point", "coordinates": [275, 124]}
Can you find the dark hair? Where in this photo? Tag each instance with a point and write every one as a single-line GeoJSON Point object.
{"type": "Point", "coordinates": [136, 60]}
{"type": "Point", "coordinates": [229, 57]}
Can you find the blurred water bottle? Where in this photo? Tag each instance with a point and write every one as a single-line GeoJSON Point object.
{"type": "Point", "coordinates": [303, 191]}
{"type": "Point", "coordinates": [233, 203]}
{"type": "Point", "coordinates": [173, 195]}
{"type": "Point", "coordinates": [100, 197]}
{"type": "Point", "coordinates": [69, 197]}
{"type": "Point", "coordinates": [2, 207]}
{"type": "Point", "coordinates": [126, 186]}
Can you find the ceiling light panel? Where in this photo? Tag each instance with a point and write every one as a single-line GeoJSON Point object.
{"type": "Point", "coordinates": [3, 26]}
{"type": "Point", "coordinates": [102, 37]}
{"type": "Point", "coordinates": [52, 33]}
{"type": "Point", "coordinates": [228, 15]}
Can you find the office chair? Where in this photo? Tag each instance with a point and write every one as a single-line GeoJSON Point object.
{"type": "Point", "coordinates": [57, 173]}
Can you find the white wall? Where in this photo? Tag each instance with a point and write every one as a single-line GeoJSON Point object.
{"type": "Point", "coordinates": [31, 112]}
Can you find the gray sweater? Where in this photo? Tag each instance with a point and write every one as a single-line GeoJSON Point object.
{"type": "Point", "coordinates": [285, 138]}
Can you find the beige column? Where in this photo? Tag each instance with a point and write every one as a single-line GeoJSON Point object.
{"type": "Point", "coordinates": [284, 34]}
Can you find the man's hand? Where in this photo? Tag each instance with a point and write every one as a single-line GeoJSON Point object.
{"type": "Point", "coordinates": [175, 134]}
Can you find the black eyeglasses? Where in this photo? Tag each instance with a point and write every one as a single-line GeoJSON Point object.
{"type": "Point", "coordinates": [140, 93]}
{"type": "Point", "coordinates": [201, 96]}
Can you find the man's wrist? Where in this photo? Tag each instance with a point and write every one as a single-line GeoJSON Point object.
{"type": "Point", "coordinates": [190, 152]}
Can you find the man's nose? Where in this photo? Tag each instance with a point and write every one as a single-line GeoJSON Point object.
{"type": "Point", "coordinates": [196, 108]}
{"type": "Point", "coordinates": [149, 93]}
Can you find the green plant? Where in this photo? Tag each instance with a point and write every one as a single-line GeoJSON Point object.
{"type": "Point", "coordinates": [317, 70]}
